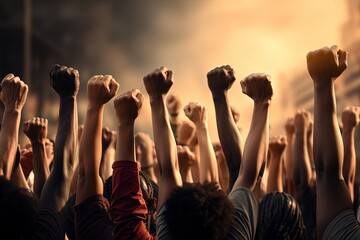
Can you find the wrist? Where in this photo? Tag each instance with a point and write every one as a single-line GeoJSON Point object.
{"type": "Point", "coordinates": [93, 107]}
{"type": "Point", "coordinates": [37, 142]}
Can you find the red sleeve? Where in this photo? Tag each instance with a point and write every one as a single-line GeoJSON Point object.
{"type": "Point", "coordinates": [128, 205]}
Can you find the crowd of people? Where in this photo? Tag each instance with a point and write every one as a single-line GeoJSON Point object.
{"type": "Point", "coordinates": [96, 183]}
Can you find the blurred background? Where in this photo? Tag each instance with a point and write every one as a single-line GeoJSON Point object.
{"type": "Point", "coordinates": [128, 39]}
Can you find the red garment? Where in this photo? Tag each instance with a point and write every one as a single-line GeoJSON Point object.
{"type": "Point", "coordinates": [128, 205]}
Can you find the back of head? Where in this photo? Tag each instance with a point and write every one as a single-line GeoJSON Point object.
{"type": "Point", "coordinates": [18, 208]}
{"type": "Point", "coordinates": [280, 217]}
{"type": "Point", "coordinates": [198, 211]}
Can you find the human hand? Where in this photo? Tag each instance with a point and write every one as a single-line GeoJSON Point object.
{"type": "Point", "coordinates": [220, 79]}
{"type": "Point", "coordinates": [36, 129]}
{"type": "Point", "coordinates": [173, 104]}
{"type": "Point", "coordinates": [108, 138]}
{"type": "Point", "coordinates": [158, 82]}
{"type": "Point", "coordinates": [350, 117]}
{"type": "Point", "coordinates": [277, 145]}
{"type": "Point", "coordinates": [13, 92]}
{"type": "Point", "coordinates": [326, 64]}
{"type": "Point", "coordinates": [128, 105]}
{"type": "Point", "coordinates": [289, 126]}
{"type": "Point", "coordinates": [258, 87]}
{"type": "Point", "coordinates": [196, 112]}
{"type": "Point", "coordinates": [100, 89]}
{"type": "Point", "coordinates": [64, 80]}
{"type": "Point", "coordinates": [186, 158]}
{"type": "Point", "coordinates": [185, 132]}
{"type": "Point", "coordinates": [302, 121]}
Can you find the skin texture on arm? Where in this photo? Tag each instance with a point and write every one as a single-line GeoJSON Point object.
{"type": "Point", "coordinates": [257, 87]}
{"type": "Point", "coordinates": [100, 90]}
{"type": "Point", "coordinates": [17, 176]}
{"type": "Point", "coordinates": [289, 161]}
{"type": "Point", "coordinates": [220, 81]}
{"type": "Point", "coordinates": [108, 153]}
{"type": "Point", "coordinates": [277, 147]}
{"type": "Point", "coordinates": [222, 167]}
{"type": "Point", "coordinates": [324, 66]}
{"type": "Point", "coordinates": [65, 81]}
{"type": "Point", "coordinates": [145, 154]}
{"type": "Point", "coordinates": [13, 95]}
{"type": "Point", "coordinates": [350, 118]}
{"type": "Point", "coordinates": [302, 172]}
{"type": "Point", "coordinates": [157, 84]}
{"type": "Point", "coordinates": [36, 130]}
{"type": "Point", "coordinates": [196, 112]}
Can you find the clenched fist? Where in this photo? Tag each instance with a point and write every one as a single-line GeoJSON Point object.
{"type": "Point", "coordinates": [196, 112]}
{"type": "Point", "coordinates": [350, 117]}
{"type": "Point", "coordinates": [128, 105]}
{"type": "Point", "coordinates": [100, 89]}
{"type": "Point", "coordinates": [302, 121]}
{"type": "Point", "coordinates": [108, 137]}
{"type": "Point", "coordinates": [277, 145]}
{"type": "Point", "coordinates": [158, 82]}
{"type": "Point", "coordinates": [185, 133]}
{"type": "Point", "coordinates": [186, 157]}
{"type": "Point", "coordinates": [36, 129]}
{"type": "Point", "coordinates": [14, 92]}
{"type": "Point", "coordinates": [173, 104]}
{"type": "Point", "coordinates": [64, 80]}
{"type": "Point", "coordinates": [258, 87]}
{"type": "Point", "coordinates": [326, 64]}
{"type": "Point", "coordinates": [289, 126]}
{"type": "Point", "coordinates": [220, 79]}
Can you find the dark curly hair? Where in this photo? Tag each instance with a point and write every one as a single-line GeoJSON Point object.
{"type": "Point", "coordinates": [198, 211]}
{"type": "Point", "coordinates": [18, 208]}
{"type": "Point", "coordinates": [280, 217]}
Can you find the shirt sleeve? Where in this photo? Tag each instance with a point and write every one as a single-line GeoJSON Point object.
{"type": "Point", "coordinates": [127, 202]}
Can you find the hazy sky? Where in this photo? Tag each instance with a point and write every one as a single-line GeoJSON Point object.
{"type": "Point", "coordinates": [251, 36]}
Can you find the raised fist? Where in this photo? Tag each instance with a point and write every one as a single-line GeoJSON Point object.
{"type": "Point", "coordinates": [173, 104]}
{"type": "Point", "coordinates": [158, 82]}
{"type": "Point", "coordinates": [186, 158]}
{"type": "Point", "coordinates": [100, 89]}
{"type": "Point", "coordinates": [302, 121]}
{"type": "Point", "coordinates": [128, 105]}
{"type": "Point", "coordinates": [36, 129]}
{"type": "Point", "coordinates": [64, 80]}
{"type": "Point", "coordinates": [220, 79]}
{"type": "Point", "coordinates": [258, 87]}
{"type": "Point", "coordinates": [350, 117]}
{"type": "Point", "coordinates": [108, 137]}
{"type": "Point", "coordinates": [14, 92]}
{"type": "Point", "coordinates": [196, 112]}
{"type": "Point", "coordinates": [326, 63]}
{"type": "Point", "coordinates": [277, 145]}
{"type": "Point", "coordinates": [290, 126]}
{"type": "Point", "coordinates": [185, 133]}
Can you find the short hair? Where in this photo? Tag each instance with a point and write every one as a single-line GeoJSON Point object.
{"type": "Point", "coordinates": [18, 207]}
{"type": "Point", "coordinates": [280, 217]}
{"type": "Point", "coordinates": [198, 211]}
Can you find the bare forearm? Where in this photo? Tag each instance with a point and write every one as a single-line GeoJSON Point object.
{"type": "Point", "coordinates": [229, 136]}
{"type": "Point", "coordinates": [41, 169]}
{"type": "Point", "coordinates": [9, 140]}
{"type": "Point", "coordinates": [349, 159]}
{"type": "Point", "coordinates": [125, 147]}
{"type": "Point", "coordinates": [275, 174]}
{"type": "Point", "coordinates": [208, 165]}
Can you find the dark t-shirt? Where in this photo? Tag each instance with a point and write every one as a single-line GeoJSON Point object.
{"type": "Point", "coordinates": [48, 225]}
{"type": "Point", "coordinates": [343, 227]}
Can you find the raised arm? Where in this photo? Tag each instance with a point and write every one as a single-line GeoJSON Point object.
{"type": "Point", "coordinates": [100, 89]}
{"type": "Point", "coordinates": [65, 81]}
{"type": "Point", "coordinates": [108, 141]}
{"type": "Point", "coordinates": [257, 87]}
{"type": "Point", "coordinates": [350, 118]}
{"type": "Point", "coordinates": [324, 66]}
{"type": "Point", "coordinates": [277, 147]}
{"type": "Point", "coordinates": [145, 154]}
{"type": "Point", "coordinates": [36, 130]}
{"type": "Point", "coordinates": [13, 95]}
{"type": "Point", "coordinates": [220, 81]}
{"type": "Point", "coordinates": [157, 84]}
{"type": "Point", "coordinates": [289, 161]}
{"type": "Point", "coordinates": [196, 112]}
{"type": "Point", "coordinates": [302, 172]}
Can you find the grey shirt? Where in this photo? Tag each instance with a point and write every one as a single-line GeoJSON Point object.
{"type": "Point", "coordinates": [344, 226]}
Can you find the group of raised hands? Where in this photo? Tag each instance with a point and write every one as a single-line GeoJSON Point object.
{"type": "Point", "coordinates": [310, 153]}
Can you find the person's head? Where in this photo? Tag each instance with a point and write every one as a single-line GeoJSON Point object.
{"type": "Point", "coordinates": [198, 211]}
{"type": "Point", "coordinates": [280, 217]}
{"type": "Point", "coordinates": [18, 208]}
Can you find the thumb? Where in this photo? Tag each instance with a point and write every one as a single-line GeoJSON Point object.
{"type": "Point", "coordinates": [113, 86]}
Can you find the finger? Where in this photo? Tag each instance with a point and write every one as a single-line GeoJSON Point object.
{"type": "Point", "coordinates": [343, 57]}
{"type": "Point", "coordinates": [243, 86]}
{"type": "Point", "coordinates": [137, 96]}
{"type": "Point", "coordinates": [114, 87]}
{"type": "Point", "coordinates": [106, 80]}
